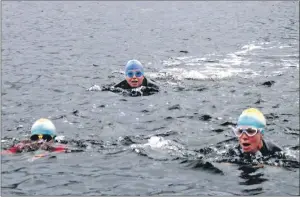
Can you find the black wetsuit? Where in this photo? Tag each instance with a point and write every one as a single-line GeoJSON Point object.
{"type": "Point", "coordinates": [236, 155]}
{"type": "Point", "coordinates": [146, 82]}
{"type": "Point", "coordinates": [147, 88]}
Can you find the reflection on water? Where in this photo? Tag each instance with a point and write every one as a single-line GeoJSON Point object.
{"type": "Point", "coordinates": [249, 175]}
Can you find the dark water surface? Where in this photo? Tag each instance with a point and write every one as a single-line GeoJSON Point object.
{"type": "Point", "coordinates": [233, 55]}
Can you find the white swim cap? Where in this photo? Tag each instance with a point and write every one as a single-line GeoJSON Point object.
{"type": "Point", "coordinates": [43, 126]}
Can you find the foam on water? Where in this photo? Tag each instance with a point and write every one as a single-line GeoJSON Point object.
{"type": "Point", "coordinates": [248, 48]}
{"type": "Point", "coordinates": [156, 142]}
{"type": "Point", "coordinates": [240, 63]}
{"type": "Point", "coordinates": [159, 148]}
{"type": "Point", "coordinates": [292, 153]}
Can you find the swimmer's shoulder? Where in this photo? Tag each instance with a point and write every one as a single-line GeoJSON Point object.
{"type": "Point", "coordinates": [270, 148]}
{"type": "Point", "coordinates": [150, 83]}
{"type": "Point", "coordinates": [123, 84]}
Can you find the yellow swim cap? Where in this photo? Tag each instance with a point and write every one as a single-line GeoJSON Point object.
{"type": "Point", "coordinates": [252, 117]}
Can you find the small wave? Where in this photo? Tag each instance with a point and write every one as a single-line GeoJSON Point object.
{"type": "Point", "coordinates": [284, 46]}
{"type": "Point", "coordinates": [290, 63]}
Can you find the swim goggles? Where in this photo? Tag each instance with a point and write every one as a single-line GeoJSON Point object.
{"type": "Point", "coordinates": [130, 74]}
{"type": "Point", "coordinates": [249, 131]}
{"type": "Point", "coordinates": [42, 137]}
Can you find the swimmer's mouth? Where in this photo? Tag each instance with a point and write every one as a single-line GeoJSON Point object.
{"type": "Point", "coordinates": [246, 144]}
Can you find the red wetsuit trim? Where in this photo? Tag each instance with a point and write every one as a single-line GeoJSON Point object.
{"type": "Point", "coordinates": [12, 150]}
{"type": "Point", "coordinates": [60, 149]}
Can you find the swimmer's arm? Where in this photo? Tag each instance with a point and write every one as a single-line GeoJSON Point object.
{"type": "Point", "coordinates": [12, 150]}
{"type": "Point", "coordinates": [53, 148]}
{"type": "Point", "coordinates": [65, 149]}
{"type": "Point", "coordinates": [57, 149]}
{"type": "Point", "coordinates": [17, 148]}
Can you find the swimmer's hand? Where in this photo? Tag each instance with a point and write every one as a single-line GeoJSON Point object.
{"type": "Point", "coordinates": [47, 146]}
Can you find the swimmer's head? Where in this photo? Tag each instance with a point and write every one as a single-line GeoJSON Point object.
{"type": "Point", "coordinates": [250, 129]}
{"type": "Point", "coordinates": [134, 65]}
{"type": "Point", "coordinates": [134, 73]}
{"type": "Point", "coordinates": [43, 127]}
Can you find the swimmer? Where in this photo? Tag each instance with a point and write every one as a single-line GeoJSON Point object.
{"type": "Point", "coordinates": [43, 133]}
{"type": "Point", "coordinates": [134, 77]}
{"type": "Point", "coordinates": [250, 132]}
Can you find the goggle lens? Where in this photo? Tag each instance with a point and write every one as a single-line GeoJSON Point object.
{"type": "Point", "coordinates": [39, 137]}
{"type": "Point", "coordinates": [130, 74]}
{"type": "Point", "coordinates": [249, 131]}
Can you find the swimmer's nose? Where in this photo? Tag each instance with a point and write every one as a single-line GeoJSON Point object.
{"type": "Point", "coordinates": [41, 141]}
{"type": "Point", "coordinates": [244, 136]}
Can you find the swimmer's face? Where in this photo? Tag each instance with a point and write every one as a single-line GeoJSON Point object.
{"type": "Point", "coordinates": [251, 144]}
{"type": "Point", "coordinates": [45, 141]}
{"type": "Point", "coordinates": [134, 78]}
